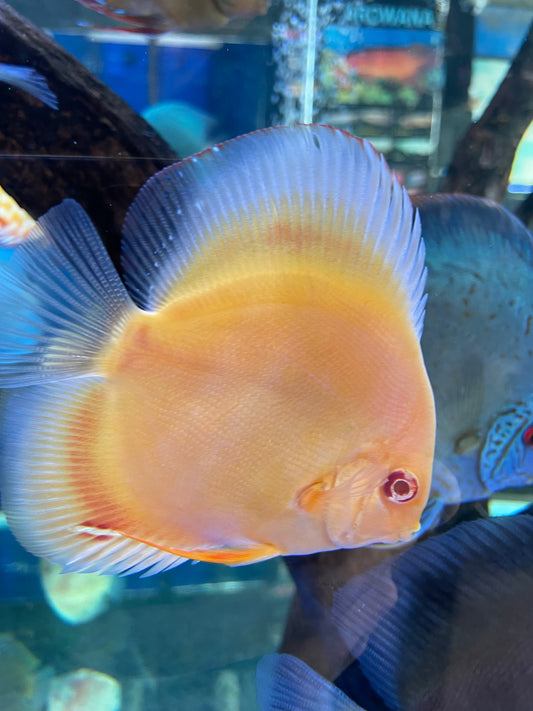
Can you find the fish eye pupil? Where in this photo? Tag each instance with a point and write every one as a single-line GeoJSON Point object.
{"type": "Point", "coordinates": [400, 486]}
{"type": "Point", "coordinates": [527, 436]}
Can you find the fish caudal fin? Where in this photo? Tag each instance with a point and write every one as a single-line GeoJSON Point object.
{"type": "Point", "coordinates": [48, 493]}
{"type": "Point", "coordinates": [286, 683]}
{"type": "Point", "coordinates": [301, 198]}
{"type": "Point", "coordinates": [62, 300]}
{"type": "Point", "coordinates": [29, 80]}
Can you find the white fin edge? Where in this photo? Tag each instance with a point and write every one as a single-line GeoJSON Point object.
{"type": "Point", "coordinates": [315, 174]}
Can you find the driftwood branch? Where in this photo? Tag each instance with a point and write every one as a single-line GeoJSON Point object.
{"type": "Point", "coordinates": [95, 148]}
{"type": "Point", "coordinates": [483, 157]}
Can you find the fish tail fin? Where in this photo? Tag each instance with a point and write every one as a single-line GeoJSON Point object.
{"type": "Point", "coordinates": [62, 301]}
{"type": "Point", "coordinates": [31, 81]}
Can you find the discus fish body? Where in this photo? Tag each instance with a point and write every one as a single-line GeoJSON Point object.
{"type": "Point", "coordinates": [266, 393]}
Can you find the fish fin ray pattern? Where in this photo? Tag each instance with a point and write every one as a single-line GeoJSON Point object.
{"type": "Point", "coordinates": [42, 448]}
{"type": "Point", "coordinates": [31, 81]}
{"type": "Point", "coordinates": [62, 300]}
{"type": "Point", "coordinates": [286, 683]}
{"type": "Point", "coordinates": [310, 192]}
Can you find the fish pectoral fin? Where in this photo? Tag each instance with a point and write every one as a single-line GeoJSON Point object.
{"type": "Point", "coordinates": [354, 479]}
{"type": "Point", "coordinates": [311, 497]}
{"type": "Point", "coordinates": [286, 683]}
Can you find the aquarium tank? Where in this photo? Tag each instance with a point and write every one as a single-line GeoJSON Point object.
{"type": "Point", "coordinates": [266, 355]}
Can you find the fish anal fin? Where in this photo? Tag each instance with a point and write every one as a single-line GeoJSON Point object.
{"type": "Point", "coordinates": [59, 504]}
{"type": "Point", "coordinates": [228, 556]}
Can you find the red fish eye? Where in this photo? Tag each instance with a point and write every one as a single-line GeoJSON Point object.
{"type": "Point", "coordinates": [527, 436]}
{"type": "Point", "coordinates": [400, 486]}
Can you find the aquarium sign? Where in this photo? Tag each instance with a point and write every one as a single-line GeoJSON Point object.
{"type": "Point", "coordinates": [398, 16]}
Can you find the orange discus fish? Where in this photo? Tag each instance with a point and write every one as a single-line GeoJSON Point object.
{"type": "Point", "coordinates": [15, 223]}
{"type": "Point", "coordinates": [257, 388]}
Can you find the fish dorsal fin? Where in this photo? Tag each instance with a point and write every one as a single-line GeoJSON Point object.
{"type": "Point", "coordinates": [453, 220]}
{"type": "Point", "coordinates": [278, 199]}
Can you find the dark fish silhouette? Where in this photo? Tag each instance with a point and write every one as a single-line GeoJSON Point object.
{"type": "Point", "coordinates": [444, 625]}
